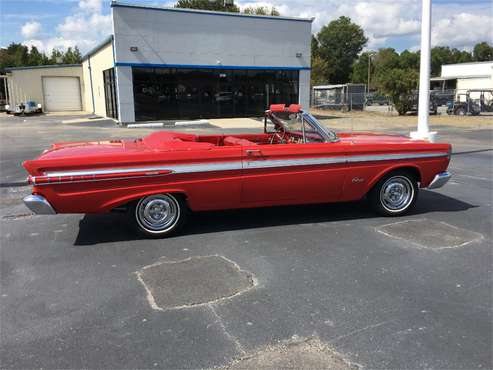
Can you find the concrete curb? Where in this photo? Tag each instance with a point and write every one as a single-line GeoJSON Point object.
{"type": "Point", "coordinates": [168, 124]}
{"type": "Point", "coordinates": [145, 125]}
{"type": "Point", "coordinates": [192, 123]}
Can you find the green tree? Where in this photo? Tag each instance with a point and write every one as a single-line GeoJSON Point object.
{"type": "Point", "coordinates": [385, 60]}
{"type": "Point", "coordinates": [340, 43]}
{"type": "Point", "coordinates": [360, 68]}
{"type": "Point", "coordinates": [409, 59]}
{"type": "Point", "coordinates": [482, 52]}
{"type": "Point", "coordinates": [399, 83]}
{"type": "Point", "coordinates": [35, 58]}
{"type": "Point", "coordinates": [15, 55]}
{"type": "Point", "coordinates": [261, 10]}
{"type": "Point", "coordinates": [441, 55]}
{"type": "Point", "coordinates": [56, 57]}
{"type": "Point", "coordinates": [315, 46]}
{"type": "Point", "coordinates": [72, 56]}
{"type": "Point", "coordinates": [320, 71]}
{"type": "Point", "coordinates": [461, 56]}
{"type": "Point", "coordinates": [216, 5]}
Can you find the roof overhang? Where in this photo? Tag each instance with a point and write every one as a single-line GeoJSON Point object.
{"type": "Point", "coordinates": [10, 69]}
{"type": "Point", "coordinates": [115, 4]}
{"type": "Point", "coordinates": [98, 47]}
{"type": "Point", "coordinates": [465, 77]}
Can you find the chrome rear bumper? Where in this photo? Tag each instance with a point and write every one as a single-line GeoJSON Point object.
{"type": "Point", "coordinates": [440, 180]}
{"type": "Point", "coordinates": [39, 205]}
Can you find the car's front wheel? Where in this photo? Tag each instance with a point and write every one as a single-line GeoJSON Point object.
{"type": "Point", "coordinates": [159, 215]}
{"type": "Point", "coordinates": [395, 194]}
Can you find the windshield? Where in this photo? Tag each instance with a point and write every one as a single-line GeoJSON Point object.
{"type": "Point", "coordinates": [305, 126]}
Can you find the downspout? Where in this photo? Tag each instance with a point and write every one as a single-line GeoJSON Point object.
{"type": "Point", "coordinates": [90, 81]}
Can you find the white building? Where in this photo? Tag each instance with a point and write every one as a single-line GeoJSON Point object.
{"type": "Point", "coordinates": [463, 77]}
{"type": "Point", "coordinates": [169, 63]}
{"type": "Point", "coordinates": [478, 75]}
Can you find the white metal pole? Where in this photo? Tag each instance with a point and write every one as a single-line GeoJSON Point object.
{"type": "Point", "coordinates": [424, 75]}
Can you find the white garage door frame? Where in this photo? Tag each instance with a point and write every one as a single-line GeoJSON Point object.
{"type": "Point", "coordinates": [79, 94]}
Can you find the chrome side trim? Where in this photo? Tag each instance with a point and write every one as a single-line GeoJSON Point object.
{"type": "Point", "coordinates": [334, 160]}
{"type": "Point", "coordinates": [39, 205]}
{"type": "Point", "coordinates": [67, 176]}
{"type": "Point", "coordinates": [440, 180]}
{"type": "Point", "coordinates": [188, 168]}
{"type": "Point", "coordinates": [392, 157]}
{"type": "Point", "coordinates": [272, 163]}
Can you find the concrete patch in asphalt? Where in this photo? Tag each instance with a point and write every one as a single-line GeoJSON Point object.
{"type": "Point", "coordinates": [193, 281]}
{"type": "Point", "coordinates": [295, 354]}
{"type": "Point", "coordinates": [430, 234]}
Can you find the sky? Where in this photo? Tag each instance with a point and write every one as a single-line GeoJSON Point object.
{"type": "Point", "coordinates": [49, 24]}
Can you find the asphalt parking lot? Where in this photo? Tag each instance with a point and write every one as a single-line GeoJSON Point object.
{"type": "Point", "coordinates": [314, 286]}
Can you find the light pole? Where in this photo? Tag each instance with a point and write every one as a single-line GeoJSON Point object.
{"type": "Point", "coordinates": [370, 55]}
{"type": "Point", "coordinates": [423, 132]}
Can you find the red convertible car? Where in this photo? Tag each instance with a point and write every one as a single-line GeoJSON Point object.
{"type": "Point", "coordinates": [296, 160]}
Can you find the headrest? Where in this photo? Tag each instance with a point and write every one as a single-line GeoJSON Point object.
{"type": "Point", "coordinates": [293, 108]}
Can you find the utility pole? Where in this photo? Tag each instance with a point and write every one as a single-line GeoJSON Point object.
{"type": "Point", "coordinates": [423, 132]}
{"type": "Point", "coordinates": [370, 55]}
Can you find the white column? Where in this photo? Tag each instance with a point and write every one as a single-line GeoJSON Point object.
{"type": "Point", "coordinates": [304, 90]}
{"type": "Point", "coordinates": [125, 93]}
{"type": "Point", "coordinates": [423, 132]}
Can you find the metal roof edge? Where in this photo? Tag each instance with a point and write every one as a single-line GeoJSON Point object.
{"type": "Point", "coordinates": [8, 69]}
{"type": "Point", "coordinates": [208, 12]}
{"type": "Point", "coordinates": [98, 47]}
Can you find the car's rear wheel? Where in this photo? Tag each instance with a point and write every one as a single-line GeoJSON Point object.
{"type": "Point", "coordinates": [395, 194]}
{"type": "Point", "coordinates": [159, 215]}
{"type": "Point", "coordinates": [461, 112]}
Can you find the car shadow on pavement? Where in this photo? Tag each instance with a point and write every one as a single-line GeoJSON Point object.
{"type": "Point", "coordinates": [114, 227]}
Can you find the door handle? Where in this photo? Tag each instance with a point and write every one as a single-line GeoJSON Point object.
{"type": "Point", "coordinates": [253, 152]}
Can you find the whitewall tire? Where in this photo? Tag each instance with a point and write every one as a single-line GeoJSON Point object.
{"type": "Point", "coordinates": [159, 215]}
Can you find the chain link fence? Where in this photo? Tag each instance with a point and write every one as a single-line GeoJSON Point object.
{"type": "Point", "coordinates": [329, 99]}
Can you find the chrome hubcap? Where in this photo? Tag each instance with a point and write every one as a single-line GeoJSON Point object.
{"type": "Point", "coordinates": [157, 212]}
{"type": "Point", "coordinates": [397, 193]}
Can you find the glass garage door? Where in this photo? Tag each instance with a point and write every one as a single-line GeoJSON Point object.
{"type": "Point", "coordinates": [171, 93]}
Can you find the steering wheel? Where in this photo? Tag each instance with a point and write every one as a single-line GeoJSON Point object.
{"type": "Point", "coordinates": [277, 134]}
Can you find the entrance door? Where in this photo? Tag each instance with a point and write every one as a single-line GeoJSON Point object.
{"type": "Point", "coordinates": [61, 94]}
{"type": "Point", "coordinates": [110, 93]}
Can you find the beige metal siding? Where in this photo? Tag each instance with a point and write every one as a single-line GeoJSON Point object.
{"type": "Point", "coordinates": [27, 84]}
{"type": "Point", "coordinates": [100, 61]}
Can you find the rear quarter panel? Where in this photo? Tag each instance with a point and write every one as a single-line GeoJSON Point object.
{"type": "Point", "coordinates": [362, 176]}
{"type": "Point", "coordinates": [203, 190]}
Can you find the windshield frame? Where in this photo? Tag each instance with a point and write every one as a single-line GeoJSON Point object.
{"type": "Point", "coordinates": [329, 135]}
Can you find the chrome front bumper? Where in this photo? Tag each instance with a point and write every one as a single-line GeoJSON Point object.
{"type": "Point", "coordinates": [440, 180]}
{"type": "Point", "coordinates": [39, 205]}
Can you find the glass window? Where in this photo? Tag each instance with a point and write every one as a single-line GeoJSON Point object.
{"type": "Point", "coordinates": [188, 93]}
{"type": "Point", "coordinates": [110, 93]}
